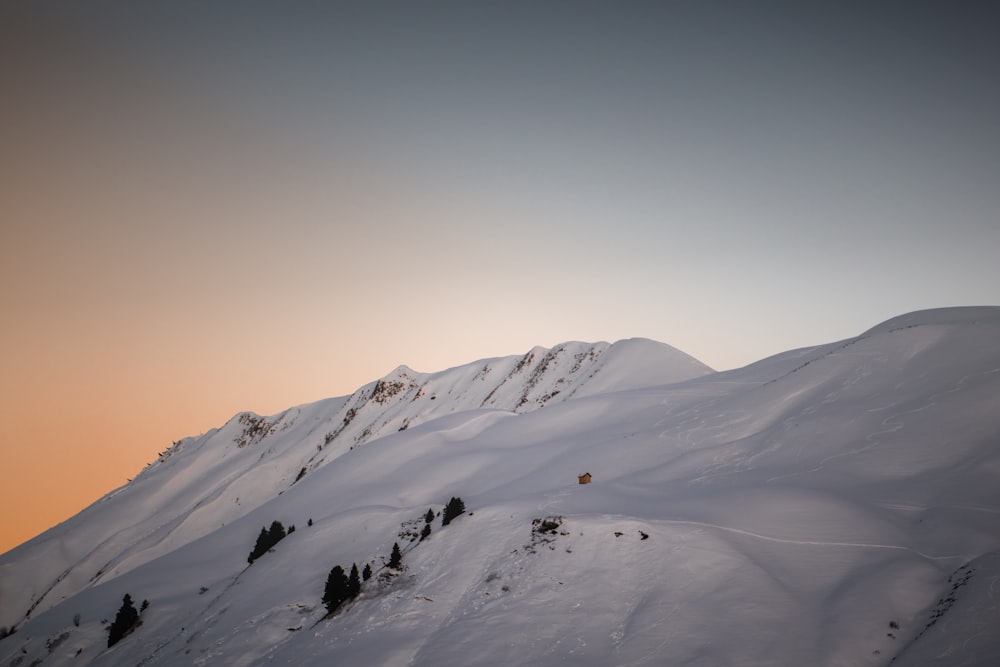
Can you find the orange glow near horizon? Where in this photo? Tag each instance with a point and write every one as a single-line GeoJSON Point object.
{"type": "Point", "coordinates": [82, 419]}
{"type": "Point", "coordinates": [208, 208]}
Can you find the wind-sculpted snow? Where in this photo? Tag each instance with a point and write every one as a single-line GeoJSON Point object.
{"type": "Point", "coordinates": [834, 505]}
{"type": "Point", "coordinates": [202, 483]}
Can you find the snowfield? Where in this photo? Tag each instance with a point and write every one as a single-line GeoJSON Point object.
{"type": "Point", "coordinates": [834, 505]}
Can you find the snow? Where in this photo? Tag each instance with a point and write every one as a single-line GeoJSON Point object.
{"type": "Point", "coordinates": [819, 507]}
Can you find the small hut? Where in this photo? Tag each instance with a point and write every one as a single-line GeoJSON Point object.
{"type": "Point", "coordinates": [584, 478]}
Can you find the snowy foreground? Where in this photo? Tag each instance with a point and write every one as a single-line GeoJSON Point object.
{"type": "Point", "coordinates": [836, 505]}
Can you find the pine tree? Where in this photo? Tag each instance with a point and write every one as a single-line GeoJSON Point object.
{"type": "Point", "coordinates": [454, 507]}
{"type": "Point", "coordinates": [353, 582]}
{"type": "Point", "coordinates": [276, 533]}
{"type": "Point", "coordinates": [267, 539]}
{"type": "Point", "coordinates": [426, 532]}
{"type": "Point", "coordinates": [124, 620]}
{"type": "Point", "coordinates": [366, 573]}
{"type": "Point", "coordinates": [429, 516]}
{"type": "Point", "coordinates": [336, 589]}
{"type": "Point", "coordinates": [396, 559]}
{"type": "Point", "coordinates": [261, 547]}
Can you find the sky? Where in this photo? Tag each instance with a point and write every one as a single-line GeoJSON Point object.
{"type": "Point", "coordinates": [207, 208]}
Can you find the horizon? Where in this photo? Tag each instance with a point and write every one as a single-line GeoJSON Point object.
{"type": "Point", "coordinates": [811, 489]}
{"type": "Point", "coordinates": [225, 419]}
{"type": "Point", "coordinates": [214, 209]}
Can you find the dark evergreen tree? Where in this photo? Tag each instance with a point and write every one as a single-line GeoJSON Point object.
{"type": "Point", "coordinates": [124, 621]}
{"type": "Point", "coordinates": [276, 533]}
{"type": "Point", "coordinates": [454, 507]}
{"type": "Point", "coordinates": [396, 559]}
{"type": "Point", "coordinates": [366, 573]}
{"type": "Point", "coordinates": [353, 582]}
{"type": "Point", "coordinates": [267, 539]}
{"type": "Point", "coordinates": [261, 547]}
{"type": "Point", "coordinates": [335, 592]}
{"type": "Point", "coordinates": [429, 516]}
{"type": "Point", "coordinates": [425, 533]}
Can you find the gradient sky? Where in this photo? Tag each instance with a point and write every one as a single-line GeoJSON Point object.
{"type": "Point", "coordinates": [214, 207]}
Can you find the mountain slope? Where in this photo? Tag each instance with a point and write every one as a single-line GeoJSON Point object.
{"type": "Point", "coordinates": [834, 505]}
{"type": "Point", "coordinates": [201, 483]}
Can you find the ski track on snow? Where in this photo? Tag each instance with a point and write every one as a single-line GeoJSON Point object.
{"type": "Point", "coordinates": [818, 543]}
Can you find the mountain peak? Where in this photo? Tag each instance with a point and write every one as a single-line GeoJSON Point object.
{"type": "Point", "coordinates": [950, 316]}
{"type": "Point", "coordinates": [400, 371]}
{"type": "Point", "coordinates": [813, 490]}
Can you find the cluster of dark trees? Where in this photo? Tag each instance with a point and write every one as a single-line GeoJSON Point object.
{"type": "Point", "coordinates": [125, 620]}
{"type": "Point", "coordinates": [454, 507]}
{"type": "Point", "coordinates": [342, 587]}
{"type": "Point", "coordinates": [428, 519]}
{"type": "Point", "coordinates": [267, 539]}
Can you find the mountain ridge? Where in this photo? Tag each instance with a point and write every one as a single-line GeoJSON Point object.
{"type": "Point", "coordinates": [396, 401]}
{"type": "Point", "coordinates": [823, 506]}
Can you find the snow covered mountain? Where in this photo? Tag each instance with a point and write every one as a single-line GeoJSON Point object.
{"type": "Point", "coordinates": [834, 505]}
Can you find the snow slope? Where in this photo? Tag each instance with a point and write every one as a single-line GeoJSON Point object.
{"type": "Point", "coordinates": [201, 483]}
{"type": "Point", "coordinates": [835, 505]}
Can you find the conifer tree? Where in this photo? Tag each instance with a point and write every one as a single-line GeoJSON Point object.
{"type": "Point", "coordinates": [276, 533]}
{"type": "Point", "coordinates": [267, 539]}
{"type": "Point", "coordinates": [396, 559]}
{"type": "Point", "coordinates": [454, 507]}
{"type": "Point", "coordinates": [335, 592]}
{"type": "Point", "coordinates": [261, 547]}
{"type": "Point", "coordinates": [425, 533]}
{"type": "Point", "coordinates": [429, 516]}
{"type": "Point", "coordinates": [124, 620]}
{"type": "Point", "coordinates": [353, 582]}
{"type": "Point", "coordinates": [366, 573]}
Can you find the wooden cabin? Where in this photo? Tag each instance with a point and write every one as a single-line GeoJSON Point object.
{"type": "Point", "coordinates": [584, 478]}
